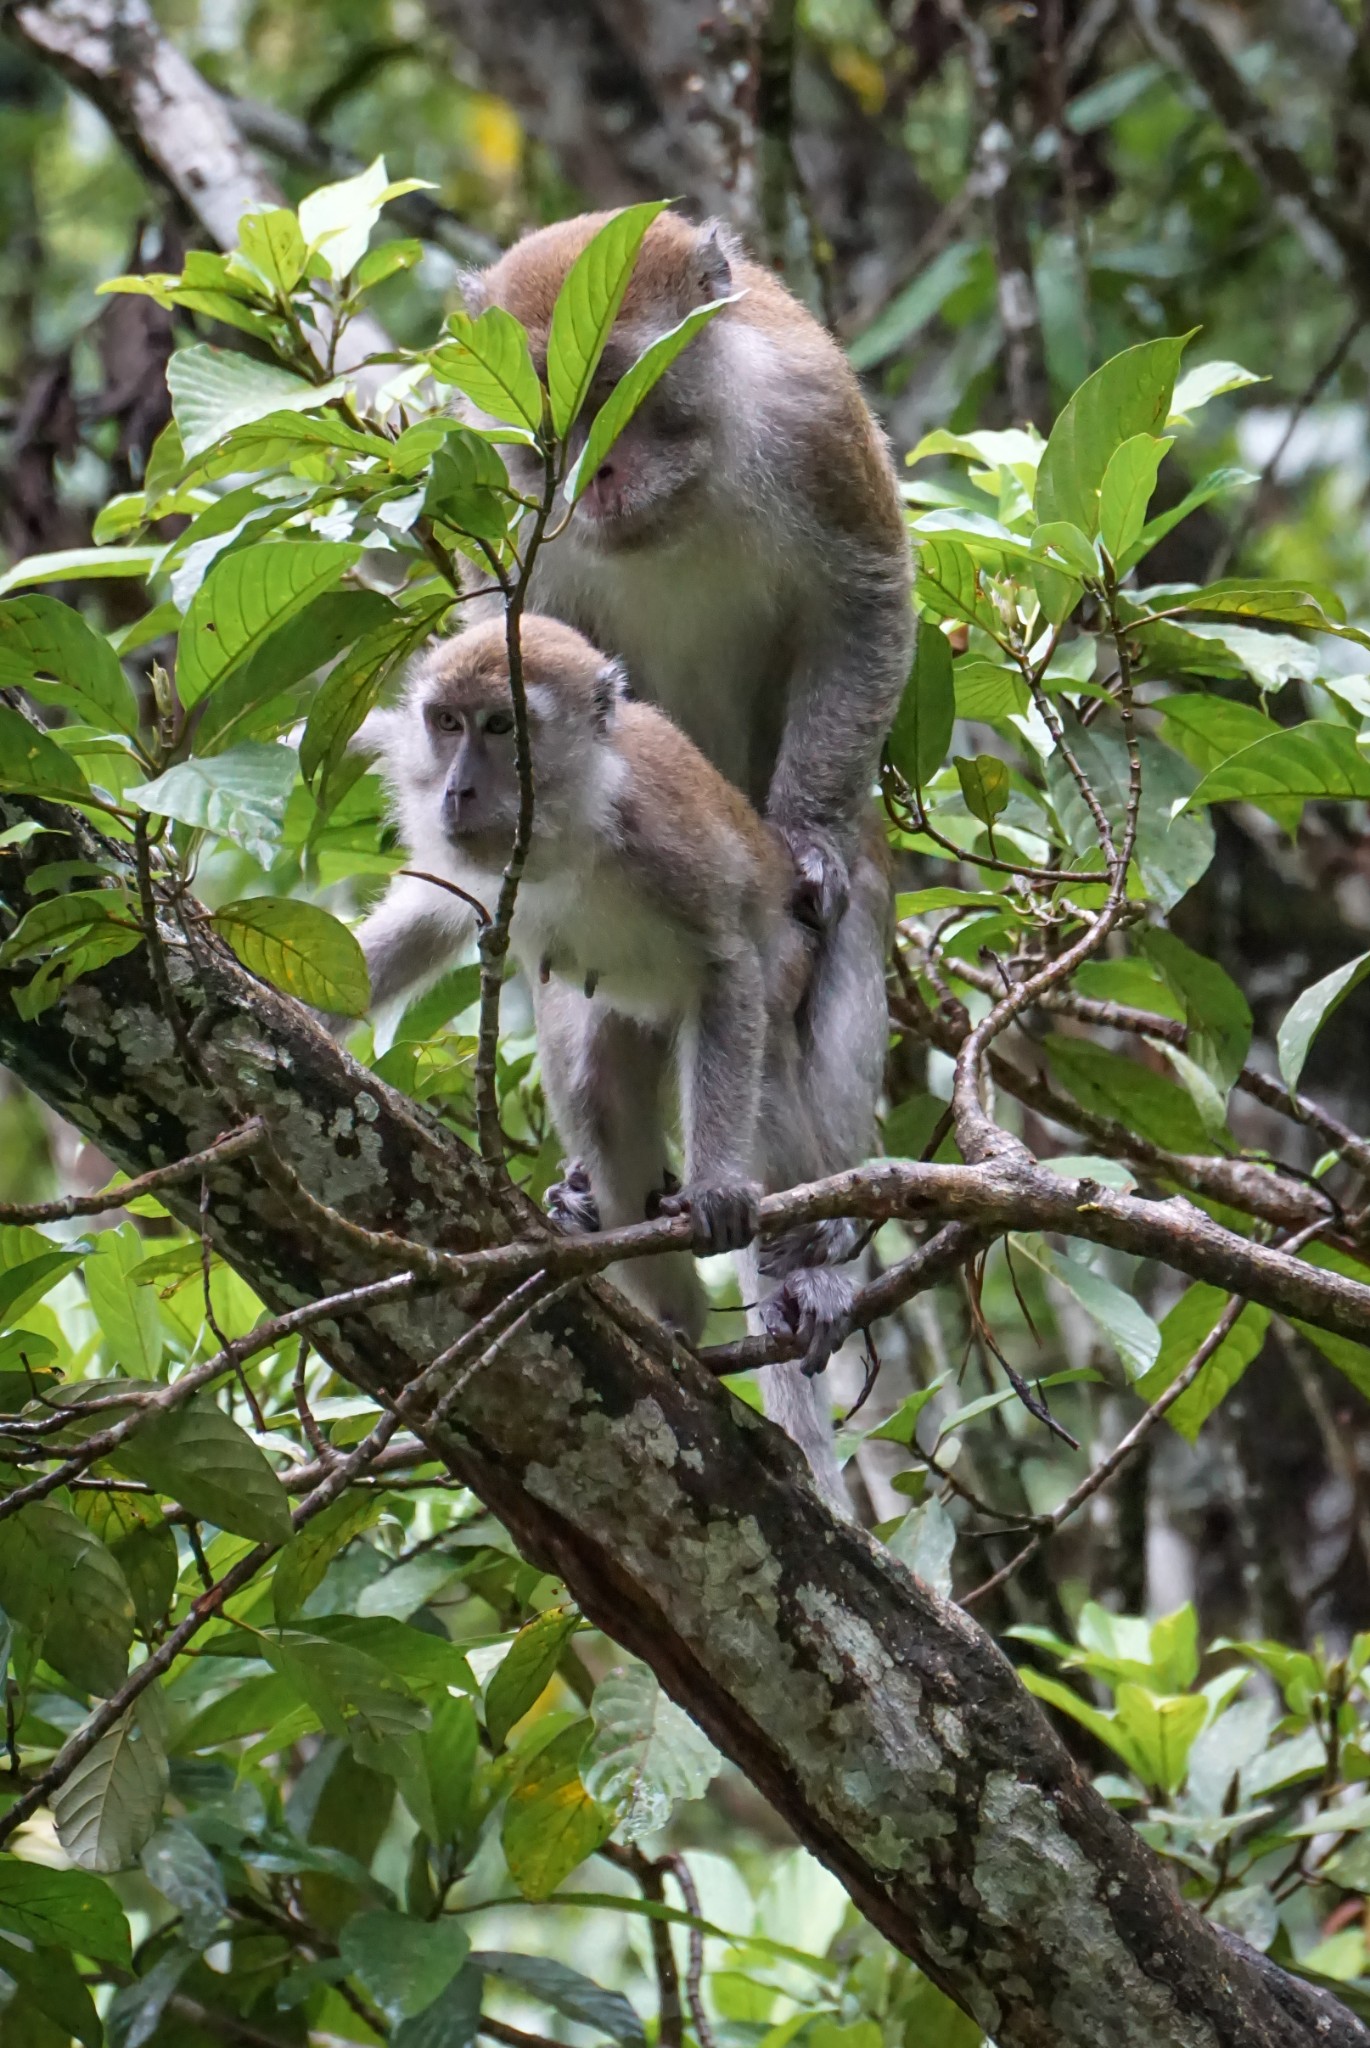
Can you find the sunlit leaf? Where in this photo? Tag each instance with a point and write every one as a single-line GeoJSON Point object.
{"type": "Point", "coordinates": [521, 1676]}
{"type": "Point", "coordinates": [33, 765]}
{"type": "Point", "coordinates": [1130, 394]}
{"type": "Point", "coordinates": [50, 651]}
{"type": "Point", "coordinates": [631, 391]}
{"type": "Point", "coordinates": [488, 359]}
{"type": "Point", "coordinates": [246, 596]}
{"type": "Point", "coordinates": [300, 949]}
{"type": "Point", "coordinates": [1126, 491]}
{"type": "Point", "coordinates": [239, 795]}
{"type": "Point", "coordinates": [214, 390]}
{"type": "Point", "coordinates": [587, 306]}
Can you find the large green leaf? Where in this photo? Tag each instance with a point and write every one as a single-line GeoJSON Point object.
{"type": "Point", "coordinates": [48, 649]}
{"type": "Point", "coordinates": [239, 795]}
{"type": "Point", "coordinates": [551, 1822]}
{"type": "Point", "coordinates": [300, 949]}
{"type": "Point", "coordinates": [646, 1754]}
{"type": "Point", "coordinates": [1285, 601]}
{"type": "Point", "coordinates": [354, 1695]}
{"type": "Point", "coordinates": [66, 563]}
{"type": "Point", "coordinates": [1128, 1093]}
{"type": "Point", "coordinates": [1128, 395]}
{"type": "Point", "coordinates": [311, 1550]}
{"type": "Point", "coordinates": [58, 919]}
{"type": "Point", "coordinates": [1183, 1330]}
{"type": "Point", "coordinates": [488, 359]}
{"type": "Point", "coordinates": [1126, 491]}
{"type": "Point", "coordinates": [1317, 759]}
{"type": "Point", "coordinates": [201, 1458]}
{"type": "Point", "coordinates": [61, 1583]}
{"type": "Point", "coordinates": [1123, 1320]}
{"type": "Point", "coordinates": [630, 392]}
{"type": "Point", "coordinates": [921, 733]}
{"type": "Point", "coordinates": [245, 598]}
{"type": "Point", "coordinates": [451, 2021]}
{"type": "Point", "coordinates": [352, 688]}
{"type": "Point", "coordinates": [33, 765]}
{"type": "Point", "coordinates": [1310, 1011]}
{"type": "Point", "coordinates": [111, 1803]}
{"type": "Point", "coordinates": [53, 2003]}
{"type": "Point", "coordinates": [579, 1998]}
{"type": "Point", "coordinates": [587, 306]}
{"type": "Point", "coordinates": [267, 694]}
{"type": "Point", "coordinates": [1214, 1008]}
{"type": "Point", "coordinates": [948, 586]}
{"type": "Point", "coordinates": [29, 1265]}
{"type": "Point", "coordinates": [269, 237]}
{"type": "Point", "coordinates": [178, 1863]}
{"type": "Point", "coordinates": [1162, 1731]}
{"type": "Point", "coordinates": [125, 1309]}
{"type": "Point", "coordinates": [520, 1677]}
{"type": "Point", "coordinates": [1171, 852]}
{"type": "Point", "coordinates": [214, 390]}
{"type": "Point", "coordinates": [405, 1964]}
{"type": "Point", "coordinates": [63, 1909]}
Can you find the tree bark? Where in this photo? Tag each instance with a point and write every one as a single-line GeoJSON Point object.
{"type": "Point", "coordinates": [878, 1719]}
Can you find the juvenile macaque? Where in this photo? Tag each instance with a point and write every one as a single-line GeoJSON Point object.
{"type": "Point", "coordinates": [742, 549]}
{"type": "Point", "coordinates": [653, 924]}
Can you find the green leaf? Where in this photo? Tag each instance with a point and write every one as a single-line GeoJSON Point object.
{"type": "Point", "coordinates": [551, 1823]}
{"type": "Point", "coordinates": [1108, 1728]}
{"type": "Point", "coordinates": [468, 488]}
{"type": "Point", "coordinates": [1171, 852]}
{"type": "Point", "coordinates": [578, 1998]}
{"type": "Point", "coordinates": [985, 786]}
{"type": "Point", "coordinates": [948, 585]}
{"type": "Point", "coordinates": [1126, 491]}
{"type": "Point", "coordinates": [57, 920]}
{"type": "Point", "coordinates": [451, 2021]}
{"type": "Point", "coordinates": [1208, 380]}
{"type": "Point", "coordinates": [214, 390]}
{"type": "Point", "coordinates": [337, 220]}
{"type": "Point", "coordinates": [1310, 1011]}
{"type": "Point", "coordinates": [587, 306]}
{"type": "Point", "coordinates": [300, 949]}
{"type": "Point", "coordinates": [901, 1427]}
{"type": "Point", "coordinates": [1208, 730]}
{"type": "Point", "coordinates": [179, 1865]}
{"type": "Point", "coordinates": [246, 596]}
{"type": "Point", "coordinates": [646, 1754]}
{"type": "Point", "coordinates": [313, 1548]}
{"type": "Point", "coordinates": [1123, 1321]}
{"type": "Point", "coordinates": [1161, 1732]}
{"type": "Point", "coordinates": [519, 1679]}
{"type": "Point", "coordinates": [354, 1695]}
{"type": "Point", "coordinates": [53, 1989]}
{"type": "Point", "coordinates": [488, 359]}
{"type": "Point", "coordinates": [1216, 1012]}
{"type": "Point", "coordinates": [1128, 395]}
{"type": "Point", "coordinates": [1129, 1093]}
{"type": "Point", "coordinates": [63, 1585]}
{"type": "Point", "coordinates": [921, 733]}
{"type": "Point", "coordinates": [449, 1750]}
{"type": "Point", "coordinates": [404, 1964]}
{"type": "Point", "coordinates": [1069, 548]}
{"type": "Point", "coordinates": [200, 1457]}
{"type": "Point", "coordinates": [1316, 759]}
{"type": "Point", "coordinates": [63, 1909]}
{"type": "Point", "coordinates": [270, 239]}
{"type": "Point", "coordinates": [135, 2011]}
{"type": "Point", "coordinates": [239, 795]}
{"type": "Point", "coordinates": [48, 649]}
{"type": "Point", "coordinates": [1284, 600]}
{"type": "Point", "coordinates": [267, 694]}
{"type": "Point", "coordinates": [111, 1803]}
{"type": "Point", "coordinates": [1183, 1330]}
{"type": "Point", "coordinates": [126, 1312]}
{"type": "Point", "coordinates": [1218, 483]}
{"type": "Point", "coordinates": [988, 690]}
{"type": "Point", "coordinates": [33, 765]}
{"type": "Point", "coordinates": [142, 1545]}
{"type": "Point", "coordinates": [630, 392]}
{"type": "Point", "coordinates": [67, 565]}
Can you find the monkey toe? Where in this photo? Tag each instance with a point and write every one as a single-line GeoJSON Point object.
{"type": "Point", "coordinates": [725, 1218]}
{"type": "Point", "coordinates": [814, 1305]}
{"type": "Point", "coordinates": [571, 1200]}
{"type": "Point", "coordinates": [822, 884]}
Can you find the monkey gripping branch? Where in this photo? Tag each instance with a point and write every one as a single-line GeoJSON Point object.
{"type": "Point", "coordinates": [878, 1719]}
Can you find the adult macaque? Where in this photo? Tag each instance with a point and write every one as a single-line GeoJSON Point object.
{"type": "Point", "coordinates": [742, 549]}
{"type": "Point", "coordinates": [653, 923]}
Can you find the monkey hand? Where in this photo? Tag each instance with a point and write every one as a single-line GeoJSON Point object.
{"type": "Point", "coordinates": [822, 884]}
{"type": "Point", "coordinates": [813, 1304]}
{"type": "Point", "coordinates": [726, 1217]}
{"type": "Point", "coordinates": [571, 1200]}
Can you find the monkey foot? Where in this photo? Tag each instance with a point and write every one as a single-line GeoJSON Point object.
{"type": "Point", "coordinates": [813, 1304]}
{"type": "Point", "coordinates": [725, 1218]}
{"type": "Point", "coordinates": [822, 884]}
{"type": "Point", "coordinates": [571, 1200]}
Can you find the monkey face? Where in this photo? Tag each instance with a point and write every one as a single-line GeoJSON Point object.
{"type": "Point", "coordinates": [475, 746]}
{"type": "Point", "coordinates": [660, 461]}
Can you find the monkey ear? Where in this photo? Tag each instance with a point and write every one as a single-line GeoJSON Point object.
{"type": "Point", "coordinates": [611, 683]}
{"type": "Point", "coordinates": [474, 295]}
{"type": "Point", "coordinates": [717, 249]}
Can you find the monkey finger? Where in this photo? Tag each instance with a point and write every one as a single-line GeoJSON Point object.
{"type": "Point", "coordinates": [725, 1218]}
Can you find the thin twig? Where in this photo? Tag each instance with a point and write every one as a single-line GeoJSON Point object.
{"type": "Point", "coordinates": [231, 1146]}
{"type": "Point", "coordinates": [694, 1968]}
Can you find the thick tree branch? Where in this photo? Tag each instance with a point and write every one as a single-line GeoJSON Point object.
{"type": "Point", "coordinates": [882, 1724]}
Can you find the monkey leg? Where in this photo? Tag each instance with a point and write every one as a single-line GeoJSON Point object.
{"type": "Point", "coordinates": [605, 1075]}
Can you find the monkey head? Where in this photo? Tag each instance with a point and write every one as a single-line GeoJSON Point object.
{"type": "Point", "coordinates": [450, 752]}
{"type": "Point", "coordinates": [668, 452]}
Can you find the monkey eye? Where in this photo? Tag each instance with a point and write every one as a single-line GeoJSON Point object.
{"type": "Point", "coordinates": [447, 720]}
{"type": "Point", "coordinates": [500, 722]}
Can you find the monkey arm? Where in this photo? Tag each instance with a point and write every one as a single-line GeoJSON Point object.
{"type": "Point", "coordinates": [721, 1056]}
{"type": "Point", "coordinates": [851, 671]}
{"type": "Point", "coordinates": [415, 931]}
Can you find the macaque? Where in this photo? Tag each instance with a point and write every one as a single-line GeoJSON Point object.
{"type": "Point", "coordinates": [653, 924]}
{"type": "Point", "coordinates": [742, 550]}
